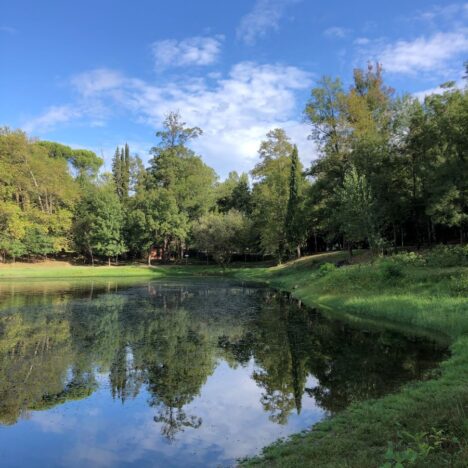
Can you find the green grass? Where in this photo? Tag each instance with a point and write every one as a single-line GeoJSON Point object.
{"type": "Point", "coordinates": [428, 419]}
{"type": "Point", "coordinates": [50, 271]}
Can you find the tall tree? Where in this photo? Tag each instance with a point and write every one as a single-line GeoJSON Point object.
{"type": "Point", "coordinates": [295, 226]}
{"type": "Point", "coordinates": [176, 169]}
{"type": "Point", "coordinates": [117, 172]}
{"type": "Point", "coordinates": [271, 192]}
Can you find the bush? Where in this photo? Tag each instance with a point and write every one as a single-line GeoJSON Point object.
{"type": "Point", "coordinates": [390, 269]}
{"type": "Point", "coordinates": [408, 258]}
{"type": "Point", "coordinates": [448, 256]}
{"type": "Point", "coordinates": [459, 285]}
{"type": "Point", "coordinates": [326, 268]}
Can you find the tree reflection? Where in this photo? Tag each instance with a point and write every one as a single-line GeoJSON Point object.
{"type": "Point", "coordinates": [168, 339]}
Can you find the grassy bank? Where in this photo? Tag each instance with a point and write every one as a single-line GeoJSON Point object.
{"type": "Point", "coordinates": [425, 424]}
{"type": "Point", "coordinates": [62, 270]}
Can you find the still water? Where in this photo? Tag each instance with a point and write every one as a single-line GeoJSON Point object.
{"type": "Point", "coordinates": [181, 373]}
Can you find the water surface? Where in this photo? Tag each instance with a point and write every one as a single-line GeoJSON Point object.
{"type": "Point", "coordinates": [180, 373]}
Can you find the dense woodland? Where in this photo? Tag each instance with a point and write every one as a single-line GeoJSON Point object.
{"type": "Point", "coordinates": [392, 171]}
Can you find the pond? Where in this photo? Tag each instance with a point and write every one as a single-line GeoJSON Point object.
{"type": "Point", "coordinates": [178, 373]}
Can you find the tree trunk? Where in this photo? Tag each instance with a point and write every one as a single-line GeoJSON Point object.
{"type": "Point", "coordinates": [108, 261]}
{"type": "Point", "coordinates": [298, 251]}
{"type": "Point", "coordinates": [350, 249]}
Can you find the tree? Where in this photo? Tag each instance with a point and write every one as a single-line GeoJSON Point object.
{"type": "Point", "coordinates": [234, 193]}
{"type": "Point", "coordinates": [155, 219]}
{"type": "Point", "coordinates": [355, 212]}
{"type": "Point", "coordinates": [121, 167]}
{"type": "Point", "coordinates": [295, 226]}
{"type": "Point", "coordinates": [85, 162]}
{"type": "Point", "coordinates": [38, 194]}
{"type": "Point", "coordinates": [183, 176]}
{"type": "Point", "coordinates": [222, 234]}
{"type": "Point", "coordinates": [270, 192]}
{"type": "Point", "coordinates": [178, 169]}
{"type": "Point", "coordinates": [99, 222]}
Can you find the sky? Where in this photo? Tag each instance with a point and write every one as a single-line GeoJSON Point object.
{"type": "Point", "coordinates": [96, 74]}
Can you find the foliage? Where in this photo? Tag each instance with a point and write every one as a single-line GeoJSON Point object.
{"type": "Point", "coordinates": [326, 268]}
{"type": "Point", "coordinates": [448, 256]}
{"type": "Point", "coordinates": [37, 197]}
{"type": "Point", "coordinates": [356, 209]}
{"type": "Point", "coordinates": [270, 192]}
{"type": "Point", "coordinates": [296, 228]}
{"type": "Point", "coordinates": [98, 222]}
{"type": "Point", "coordinates": [222, 234]}
{"type": "Point", "coordinates": [390, 269]}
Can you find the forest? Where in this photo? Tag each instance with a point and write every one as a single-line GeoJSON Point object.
{"type": "Point", "coordinates": [391, 172]}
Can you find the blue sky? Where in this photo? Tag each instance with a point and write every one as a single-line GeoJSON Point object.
{"type": "Point", "coordinates": [95, 74]}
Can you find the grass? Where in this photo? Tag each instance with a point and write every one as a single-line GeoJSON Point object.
{"type": "Point", "coordinates": [426, 422]}
{"type": "Point", "coordinates": [62, 270]}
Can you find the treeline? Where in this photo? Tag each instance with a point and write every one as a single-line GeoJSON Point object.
{"type": "Point", "coordinates": [391, 171]}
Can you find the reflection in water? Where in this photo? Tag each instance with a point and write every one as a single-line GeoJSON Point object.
{"type": "Point", "coordinates": [161, 348]}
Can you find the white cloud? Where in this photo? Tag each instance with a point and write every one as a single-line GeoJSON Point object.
{"type": "Point", "coordinates": [336, 32]}
{"type": "Point", "coordinates": [101, 79]}
{"type": "Point", "coordinates": [51, 118]}
{"type": "Point", "coordinates": [264, 17]}
{"type": "Point", "coordinates": [234, 110]}
{"type": "Point", "coordinates": [421, 95]}
{"type": "Point", "coordinates": [191, 51]}
{"type": "Point", "coordinates": [440, 53]}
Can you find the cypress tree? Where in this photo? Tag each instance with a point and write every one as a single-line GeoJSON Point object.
{"type": "Point", "coordinates": [126, 170]}
{"type": "Point", "coordinates": [117, 171]}
{"type": "Point", "coordinates": [293, 225]}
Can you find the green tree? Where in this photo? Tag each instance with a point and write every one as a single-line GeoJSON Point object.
{"type": "Point", "coordinates": [183, 176]}
{"type": "Point", "coordinates": [295, 225]}
{"type": "Point", "coordinates": [99, 222]}
{"type": "Point", "coordinates": [222, 234]}
{"type": "Point", "coordinates": [234, 193]}
{"type": "Point", "coordinates": [356, 208]}
{"type": "Point", "coordinates": [155, 219]}
{"type": "Point", "coordinates": [270, 193]}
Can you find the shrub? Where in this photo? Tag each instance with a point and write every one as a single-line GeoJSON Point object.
{"type": "Point", "coordinates": [408, 258]}
{"type": "Point", "coordinates": [390, 269]}
{"type": "Point", "coordinates": [326, 268]}
{"type": "Point", "coordinates": [459, 285]}
{"type": "Point", "coordinates": [448, 256]}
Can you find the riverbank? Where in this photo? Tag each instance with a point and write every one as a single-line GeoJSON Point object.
{"type": "Point", "coordinates": [426, 423]}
